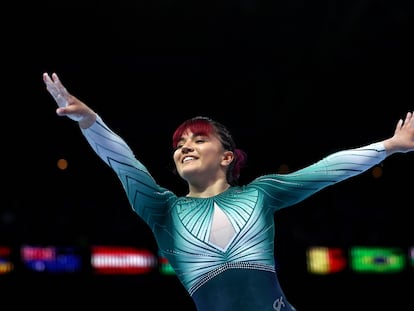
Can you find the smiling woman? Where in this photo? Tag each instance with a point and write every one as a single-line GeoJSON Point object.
{"type": "Point", "coordinates": [219, 237]}
{"type": "Point", "coordinates": [202, 135]}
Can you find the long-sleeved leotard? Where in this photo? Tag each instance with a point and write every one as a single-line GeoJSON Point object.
{"type": "Point", "coordinates": [222, 247]}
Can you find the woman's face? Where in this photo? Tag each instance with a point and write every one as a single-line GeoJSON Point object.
{"type": "Point", "coordinates": [200, 157]}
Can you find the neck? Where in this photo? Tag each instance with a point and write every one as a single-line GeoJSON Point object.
{"type": "Point", "coordinates": [206, 191]}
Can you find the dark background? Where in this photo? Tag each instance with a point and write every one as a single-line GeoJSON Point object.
{"type": "Point", "coordinates": [293, 81]}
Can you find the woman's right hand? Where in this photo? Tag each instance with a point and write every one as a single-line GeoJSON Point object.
{"type": "Point", "coordinates": [68, 105]}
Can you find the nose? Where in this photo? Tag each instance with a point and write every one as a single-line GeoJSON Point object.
{"type": "Point", "coordinates": [186, 148]}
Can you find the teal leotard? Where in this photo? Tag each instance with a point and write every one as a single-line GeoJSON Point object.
{"type": "Point", "coordinates": [222, 247]}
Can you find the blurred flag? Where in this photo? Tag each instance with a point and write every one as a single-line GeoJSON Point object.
{"type": "Point", "coordinates": [122, 260]}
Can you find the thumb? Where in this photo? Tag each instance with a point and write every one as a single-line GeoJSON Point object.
{"type": "Point", "coordinates": [61, 111]}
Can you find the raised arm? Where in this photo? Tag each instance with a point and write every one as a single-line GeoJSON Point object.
{"type": "Point", "coordinates": [146, 197]}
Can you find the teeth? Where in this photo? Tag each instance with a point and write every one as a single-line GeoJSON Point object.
{"type": "Point", "coordinates": [188, 159]}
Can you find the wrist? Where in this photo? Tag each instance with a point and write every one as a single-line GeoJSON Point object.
{"type": "Point", "coordinates": [87, 121]}
{"type": "Point", "coordinates": [389, 146]}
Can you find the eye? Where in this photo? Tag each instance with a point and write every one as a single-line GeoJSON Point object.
{"type": "Point", "coordinates": [199, 139]}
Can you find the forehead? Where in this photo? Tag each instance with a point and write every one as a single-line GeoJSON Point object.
{"type": "Point", "coordinates": [197, 127]}
{"type": "Point", "coordinates": [197, 132]}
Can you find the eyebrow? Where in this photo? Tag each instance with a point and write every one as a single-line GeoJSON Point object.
{"type": "Point", "coordinates": [194, 134]}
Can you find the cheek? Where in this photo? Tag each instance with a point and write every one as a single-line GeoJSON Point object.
{"type": "Point", "coordinates": [175, 156]}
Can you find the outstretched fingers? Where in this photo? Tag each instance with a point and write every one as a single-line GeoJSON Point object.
{"type": "Point", "coordinates": [56, 89]}
{"type": "Point", "coordinates": [409, 119]}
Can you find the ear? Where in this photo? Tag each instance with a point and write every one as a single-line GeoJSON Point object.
{"type": "Point", "coordinates": [228, 157]}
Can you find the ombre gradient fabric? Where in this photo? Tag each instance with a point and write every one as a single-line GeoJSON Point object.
{"type": "Point", "coordinates": [222, 247]}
